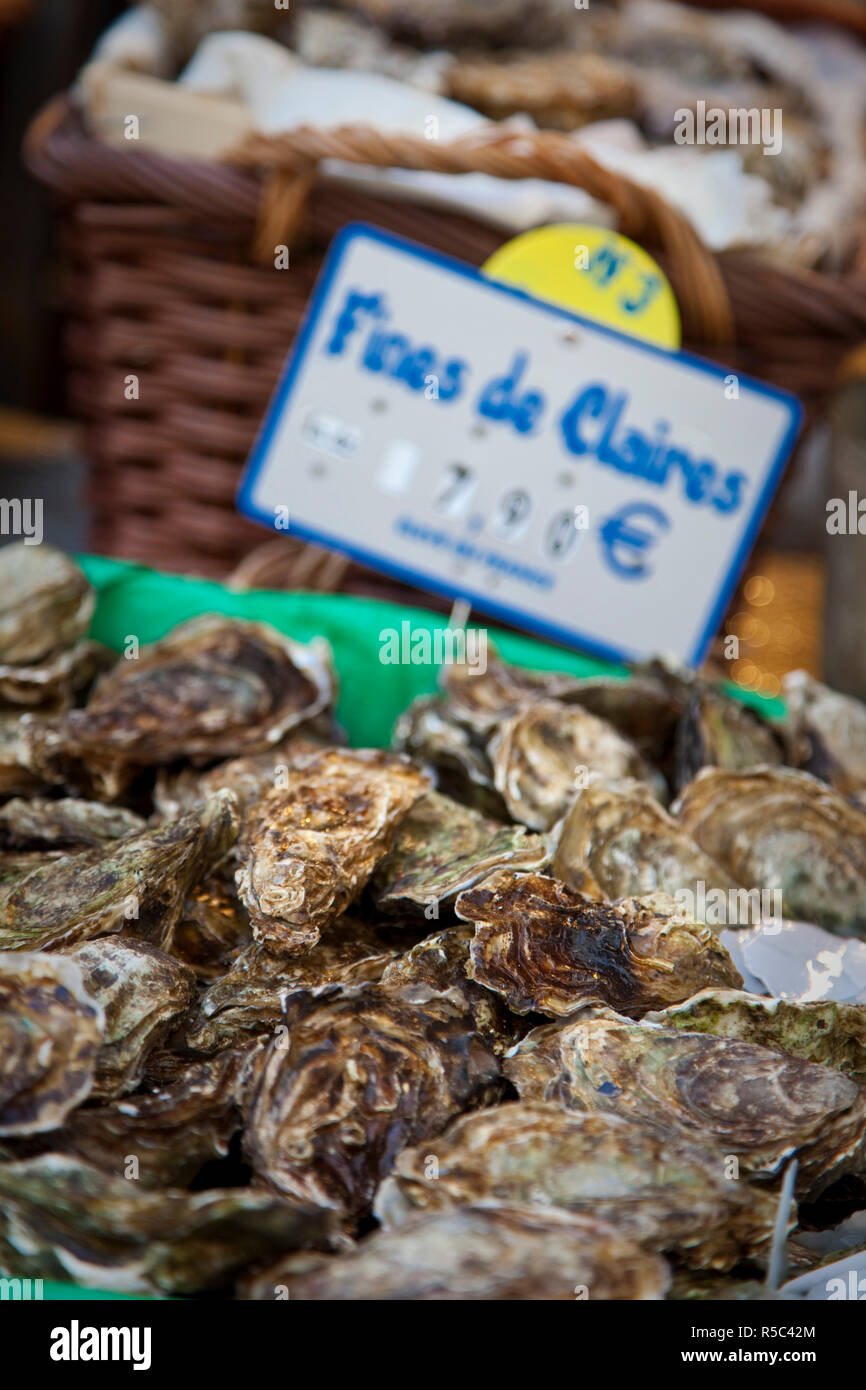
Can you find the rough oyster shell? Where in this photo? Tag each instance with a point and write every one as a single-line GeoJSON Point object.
{"type": "Point", "coordinates": [213, 688]}
{"type": "Point", "coordinates": [823, 1031]}
{"type": "Point", "coordinates": [17, 777]}
{"type": "Point", "coordinates": [775, 828]}
{"type": "Point", "coordinates": [476, 1252]}
{"type": "Point", "coordinates": [716, 731]}
{"type": "Point", "coordinates": [67, 823]}
{"type": "Point", "coordinates": [46, 603]}
{"type": "Point", "coordinates": [546, 949]}
{"type": "Point", "coordinates": [442, 847]}
{"type": "Point", "coordinates": [54, 683]}
{"type": "Point", "coordinates": [439, 963]}
{"type": "Point", "coordinates": [142, 992]}
{"type": "Point", "coordinates": [432, 735]}
{"type": "Point", "coordinates": [827, 732]}
{"type": "Point", "coordinates": [617, 841]}
{"type": "Point", "coordinates": [360, 1075]}
{"type": "Point", "coordinates": [213, 929]}
{"type": "Point", "coordinates": [665, 1189]}
{"type": "Point", "coordinates": [307, 851]}
{"type": "Point", "coordinates": [759, 1106]}
{"type": "Point", "coordinates": [61, 1218]}
{"type": "Point", "coordinates": [50, 1034]}
{"type": "Point", "coordinates": [544, 754]}
{"type": "Point", "coordinates": [139, 883]}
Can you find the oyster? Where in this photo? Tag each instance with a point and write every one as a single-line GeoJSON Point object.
{"type": "Point", "coordinates": [442, 847]}
{"type": "Point", "coordinates": [306, 852]}
{"type": "Point", "coordinates": [831, 1034]}
{"type": "Point", "coordinates": [546, 949]}
{"type": "Point", "coordinates": [618, 841]}
{"type": "Point", "coordinates": [476, 1252]}
{"type": "Point", "coordinates": [440, 963]}
{"type": "Point", "coordinates": [60, 1217]}
{"type": "Point", "coordinates": [50, 1034]}
{"type": "Point", "coordinates": [784, 830]}
{"type": "Point", "coordinates": [162, 1138]}
{"type": "Point", "coordinates": [431, 734]}
{"type": "Point", "coordinates": [543, 755]}
{"type": "Point", "coordinates": [827, 732]}
{"type": "Point", "coordinates": [252, 998]}
{"type": "Point", "coordinates": [46, 603]}
{"type": "Point", "coordinates": [54, 683]}
{"type": "Point", "coordinates": [213, 929]}
{"type": "Point", "coordinates": [759, 1106]}
{"type": "Point", "coordinates": [142, 992]}
{"type": "Point", "coordinates": [362, 1074]}
{"type": "Point", "coordinates": [213, 688]}
{"type": "Point", "coordinates": [64, 824]}
{"type": "Point", "coordinates": [716, 731]}
{"type": "Point", "coordinates": [139, 883]}
{"type": "Point", "coordinates": [664, 1189]}
{"type": "Point", "coordinates": [17, 777]}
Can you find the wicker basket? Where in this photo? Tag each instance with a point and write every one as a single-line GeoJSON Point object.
{"type": "Point", "coordinates": [849, 13]}
{"type": "Point", "coordinates": [169, 275]}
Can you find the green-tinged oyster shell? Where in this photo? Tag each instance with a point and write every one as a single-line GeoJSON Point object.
{"type": "Point", "coordinates": [777, 829]}
{"type": "Point", "coordinates": [307, 851]}
{"type": "Point", "coordinates": [213, 688]}
{"type": "Point", "coordinates": [432, 735]}
{"type": "Point", "coordinates": [716, 731]}
{"type": "Point", "coordinates": [827, 732]}
{"type": "Point", "coordinates": [440, 964]}
{"type": "Point", "coordinates": [51, 1031]}
{"type": "Point", "coordinates": [546, 949]}
{"type": "Point", "coordinates": [617, 841]}
{"type": "Point", "coordinates": [476, 1252]}
{"type": "Point", "coordinates": [360, 1074]}
{"type": "Point", "coordinates": [142, 992]}
{"type": "Point", "coordinates": [442, 847]}
{"type": "Point", "coordinates": [67, 823]}
{"type": "Point", "coordinates": [252, 998]}
{"type": "Point", "coordinates": [761, 1107]}
{"type": "Point", "coordinates": [45, 603]}
{"type": "Point", "coordinates": [138, 884]}
{"type": "Point", "coordinates": [826, 1032]}
{"type": "Point", "coordinates": [663, 1188]}
{"type": "Point", "coordinates": [64, 1219]}
{"type": "Point", "coordinates": [547, 752]}
{"type": "Point", "coordinates": [164, 1136]}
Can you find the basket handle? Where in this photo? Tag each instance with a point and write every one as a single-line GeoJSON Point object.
{"type": "Point", "coordinates": [289, 162]}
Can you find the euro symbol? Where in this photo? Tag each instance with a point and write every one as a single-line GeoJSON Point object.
{"type": "Point", "coordinates": [624, 545]}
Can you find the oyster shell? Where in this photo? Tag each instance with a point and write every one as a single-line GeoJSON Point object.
{"type": "Point", "coordinates": [827, 732]}
{"type": "Point", "coordinates": [60, 677]}
{"type": "Point", "coordinates": [439, 963]}
{"type": "Point", "coordinates": [617, 841]}
{"type": "Point", "coordinates": [716, 731]}
{"type": "Point", "coordinates": [213, 929]}
{"type": "Point", "coordinates": [252, 998]}
{"type": "Point", "coordinates": [306, 852]}
{"type": "Point", "coordinates": [138, 884]}
{"type": "Point", "coordinates": [60, 1217]}
{"type": "Point", "coordinates": [476, 1252]}
{"type": "Point", "coordinates": [664, 1189]}
{"type": "Point", "coordinates": [46, 603]}
{"type": "Point", "coordinates": [780, 829]}
{"type": "Point", "coordinates": [64, 824]}
{"type": "Point", "coordinates": [213, 688]}
{"type": "Point", "coordinates": [759, 1106]}
{"type": "Point", "coordinates": [825, 1032]}
{"type": "Point", "coordinates": [442, 847]}
{"type": "Point", "coordinates": [546, 949]}
{"type": "Point", "coordinates": [142, 992]}
{"type": "Point", "coordinates": [50, 1034]}
{"type": "Point", "coordinates": [431, 734]}
{"type": "Point", "coordinates": [362, 1074]}
{"type": "Point", "coordinates": [544, 754]}
{"type": "Point", "coordinates": [17, 777]}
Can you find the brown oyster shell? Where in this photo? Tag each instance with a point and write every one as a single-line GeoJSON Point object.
{"type": "Point", "coordinates": [440, 963]}
{"type": "Point", "coordinates": [213, 929]}
{"type": "Point", "coordinates": [307, 851]}
{"type": "Point", "coordinates": [617, 841]}
{"type": "Point", "coordinates": [827, 732]}
{"type": "Point", "coordinates": [663, 1188]}
{"type": "Point", "coordinates": [759, 1106]}
{"type": "Point", "coordinates": [67, 823]}
{"type": "Point", "coordinates": [716, 731]}
{"type": "Point", "coordinates": [774, 828]}
{"type": "Point", "coordinates": [142, 992]}
{"type": "Point", "coordinates": [54, 684]}
{"type": "Point", "coordinates": [431, 733]}
{"type": "Point", "coordinates": [546, 949]}
{"type": "Point", "coordinates": [51, 1031]}
{"type": "Point", "coordinates": [46, 603]}
{"type": "Point", "coordinates": [138, 884]}
{"type": "Point", "coordinates": [476, 1252]}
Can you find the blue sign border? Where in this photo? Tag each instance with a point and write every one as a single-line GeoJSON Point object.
{"type": "Point", "coordinates": [566, 636]}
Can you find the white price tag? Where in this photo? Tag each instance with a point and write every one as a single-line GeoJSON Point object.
{"type": "Point", "coordinates": [472, 440]}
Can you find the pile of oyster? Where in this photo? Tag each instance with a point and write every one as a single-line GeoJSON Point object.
{"type": "Point", "coordinates": [281, 1018]}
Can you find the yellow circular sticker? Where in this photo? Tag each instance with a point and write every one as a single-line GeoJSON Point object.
{"type": "Point", "coordinates": [596, 272]}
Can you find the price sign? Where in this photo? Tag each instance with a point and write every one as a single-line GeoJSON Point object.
{"type": "Point", "coordinates": [470, 439]}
